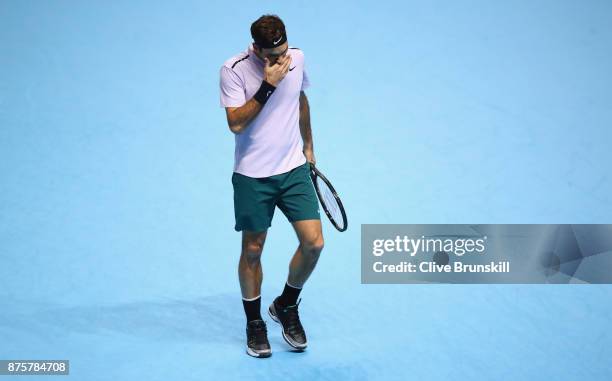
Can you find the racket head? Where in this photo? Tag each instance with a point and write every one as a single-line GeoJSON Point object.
{"type": "Point", "coordinates": [329, 199]}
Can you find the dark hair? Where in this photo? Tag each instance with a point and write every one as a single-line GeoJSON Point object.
{"type": "Point", "coordinates": [267, 29]}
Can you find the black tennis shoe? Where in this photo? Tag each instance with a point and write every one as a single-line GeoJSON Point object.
{"type": "Point", "coordinates": [289, 319]}
{"type": "Point", "coordinates": [257, 339]}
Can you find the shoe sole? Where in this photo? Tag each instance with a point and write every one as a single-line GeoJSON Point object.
{"type": "Point", "coordinates": [299, 347]}
{"type": "Point", "coordinates": [252, 353]}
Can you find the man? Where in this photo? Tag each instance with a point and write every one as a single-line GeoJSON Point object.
{"type": "Point", "coordinates": [262, 90]}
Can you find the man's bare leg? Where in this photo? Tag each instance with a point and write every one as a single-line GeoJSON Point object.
{"type": "Point", "coordinates": [305, 259]}
{"type": "Point", "coordinates": [284, 309]}
{"type": "Point", "coordinates": [250, 273]}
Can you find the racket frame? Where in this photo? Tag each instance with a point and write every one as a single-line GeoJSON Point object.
{"type": "Point", "coordinates": [314, 173]}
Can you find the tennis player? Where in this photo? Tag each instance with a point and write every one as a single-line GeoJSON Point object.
{"type": "Point", "coordinates": [262, 90]}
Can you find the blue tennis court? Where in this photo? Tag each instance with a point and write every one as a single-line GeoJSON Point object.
{"type": "Point", "coordinates": [117, 245]}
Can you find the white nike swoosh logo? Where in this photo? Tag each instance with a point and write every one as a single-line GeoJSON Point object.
{"type": "Point", "coordinates": [276, 42]}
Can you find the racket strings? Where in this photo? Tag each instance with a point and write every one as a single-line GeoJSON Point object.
{"type": "Point", "coordinates": [330, 202]}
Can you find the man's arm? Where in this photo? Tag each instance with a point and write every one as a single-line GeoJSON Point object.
{"type": "Point", "coordinates": [238, 118]}
{"type": "Point", "coordinates": [305, 129]}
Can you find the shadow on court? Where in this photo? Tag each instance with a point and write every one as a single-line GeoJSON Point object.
{"type": "Point", "coordinates": [213, 323]}
{"type": "Point", "coordinates": [216, 318]}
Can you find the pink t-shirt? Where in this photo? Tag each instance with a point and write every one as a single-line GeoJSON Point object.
{"type": "Point", "coordinates": [272, 143]}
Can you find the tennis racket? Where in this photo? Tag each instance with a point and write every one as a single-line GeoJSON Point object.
{"type": "Point", "coordinates": [329, 199]}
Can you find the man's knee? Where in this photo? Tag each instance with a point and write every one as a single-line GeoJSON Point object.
{"type": "Point", "coordinates": [252, 248]}
{"type": "Point", "coordinates": [252, 253]}
{"type": "Point", "coordinates": [313, 245]}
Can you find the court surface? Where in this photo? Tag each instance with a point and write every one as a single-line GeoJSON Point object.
{"type": "Point", "coordinates": [116, 218]}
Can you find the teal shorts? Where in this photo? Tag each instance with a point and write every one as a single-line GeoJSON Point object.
{"type": "Point", "coordinates": [256, 198]}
